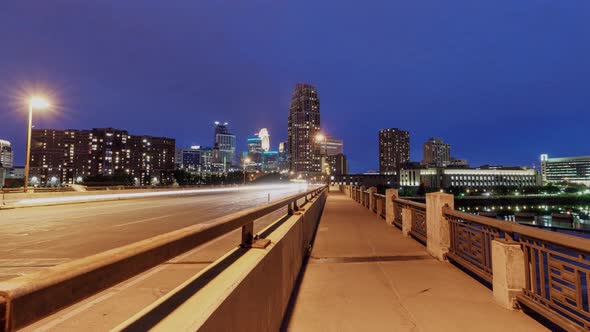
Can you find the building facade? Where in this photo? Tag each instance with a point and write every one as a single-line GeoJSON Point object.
{"type": "Point", "coordinates": [331, 147]}
{"type": "Point", "coordinates": [473, 178]}
{"type": "Point", "coordinates": [283, 157]}
{"type": "Point", "coordinates": [270, 161]}
{"type": "Point", "coordinates": [189, 159]}
{"type": "Point", "coordinates": [570, 169]}
{"type": "Point", "coordinates": [303, 126]}
{"type": "Point", "coordinates": [68, 156]}
{"type": "Point", "coordinates": [225, 142]}
{"type": "Point", "coordinates": [255, 153]}
{"type": "Point", "coordinates": [367, 180]}
{"type": "Point", "coordinates": [338, 164]}
{"type": "Point", "coordinates": [394, 150]}
{"type": "Point", "coordinates": [436, 153]}
{"type": "Point", "coordinates": [6, 154]}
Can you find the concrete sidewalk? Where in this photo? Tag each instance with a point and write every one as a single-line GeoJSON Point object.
{"type": "Point", "coordinates": [364, 275]}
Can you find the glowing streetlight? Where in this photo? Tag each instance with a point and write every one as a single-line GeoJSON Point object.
{"type": "Point", "coordinates": [35, 102]}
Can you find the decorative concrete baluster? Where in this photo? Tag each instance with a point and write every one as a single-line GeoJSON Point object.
{"type": "Point", "coordinates": [509, 273]}
{"type": "Point", "coordinates": [390, 195]}
{"type": "Point", "coordinates": [438, 234]}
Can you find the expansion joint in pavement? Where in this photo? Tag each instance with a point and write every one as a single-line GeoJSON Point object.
{"type": "Point", "coordinates": [369, 259]}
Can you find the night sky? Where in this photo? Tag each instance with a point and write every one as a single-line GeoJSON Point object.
{"type": "Point", "coordinates": [502, 81]}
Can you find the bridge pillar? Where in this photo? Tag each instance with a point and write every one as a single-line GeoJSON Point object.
{"type": "Point", "coordinates": [438, 236]}
{"type": "Point", "coordinates": [362, 198]}
{"type": "Point", "coordinates": [390, 194]}
{"type": "Point", "coordinates": [406, 220]}
{"type": "Point", "coordinates": [372, 199]}
{"type": "Point", "coordinates": [509, 274]}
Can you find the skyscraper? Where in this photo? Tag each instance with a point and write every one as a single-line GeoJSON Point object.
{"type": "Point", "coordinates": [6, 154]}
{"type": "Point", "coordinates": [226, 143]}
{"type": "Point", "coordinates": [303, 126]}
{"type": "Point", "coordinates": [394, 150]}
{"type": "Point", "coordinates": [283, 157]}
{"type": "Point", "coordinates": [264, 139]}
{"type": "Point", "coordinates": [436, 152]}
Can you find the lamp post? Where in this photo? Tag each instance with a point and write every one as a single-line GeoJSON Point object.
{"type": "Point", "coordinates": [323, 157]}
{"type": "Point", "coordinates": [38, 103]}
{"type": "Point", "coordinates": [246, 162]}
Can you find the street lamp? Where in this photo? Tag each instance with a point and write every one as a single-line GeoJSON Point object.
{"type": "Point", "coordinates": [38, 103]}
{"type": "Point", "coordinates": [321, 138]}
{"type": "Point", "coordinates": [246, 162]}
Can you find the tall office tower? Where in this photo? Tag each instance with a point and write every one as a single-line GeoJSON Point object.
{"type": "Point", "coordinates": [283, 157]}
{"type": "Point", "coordinates": [6, 154]}
{"type": "Point", "coordinates": [331, 147]}
{"type": "Point", "coordinates": [303, 126]}
{"type": "Point", "coordinates": [394, 150]}
{"type": "Point", "coordinates": [436, 152]}
{"type": "Point", "coordinates": [226, 143]}
{"type": "Point", "coordinates": [255, 152]}
{"type": "Point", "coordinates": [264, 139]}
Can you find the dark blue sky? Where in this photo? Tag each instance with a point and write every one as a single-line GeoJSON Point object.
{"type": "Point", "coordinates": [502, 81]}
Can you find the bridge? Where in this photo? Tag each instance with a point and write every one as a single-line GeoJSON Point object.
{"type": "Point", "coordinates": [283, 258]}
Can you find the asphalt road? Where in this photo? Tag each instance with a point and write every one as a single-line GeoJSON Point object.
{"type": "Point", "coordinates": [36, 238]}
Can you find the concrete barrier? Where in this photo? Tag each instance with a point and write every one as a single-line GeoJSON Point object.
{"type": "Point", "coordinates": [31, 297]}
{"type": "Point", "coordinates": [250, 293]}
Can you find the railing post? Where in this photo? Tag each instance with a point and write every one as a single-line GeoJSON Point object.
{"type": "Point", "coordinates": [509, 274]}
{"type": "Point", "coordinates": [390, 194]}
{"type": "Point", "coordinates": [247, 235]}
{"type": "Point", "coordinates": [406, 220]}
{"type": "Point", "coordinates": [438, 236]}
{"type": "Point", "coordinates": [362, 198]}
{"type": "Point", "coordinates": [372, 199]}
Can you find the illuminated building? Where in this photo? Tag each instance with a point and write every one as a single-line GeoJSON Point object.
{"type": "Point", "coordinates": [303, 126]}
{"type": "Point", "coordinates": [264, 139]}
{"type": "Point", "coordinates": [270, 161]}
{"type": "Point", "coordinates": [189, 159]}
{"type": "Point", "coordinates": [255, 152]}
{"type": "Point", "coordinates": [225, 142]}
{"type": "Point", "coordinates": [68, 155]}
{"type": "Point", "coordinates": [331, 146]}
{"type": "Point", "coordinates": [436, 153]}
{"type": "Point", "coordinates": [283, 157]}
{"type": "Point", "coordinates": [6, 154]}
{"type": "Point", "coordinates": [570, 169]}
{"type": "Point", "coordinates": [394, 150]}
{"type": "Point", "coordinates": [338, 164]}
{"type": "Point", "coordinates": [485, 177]}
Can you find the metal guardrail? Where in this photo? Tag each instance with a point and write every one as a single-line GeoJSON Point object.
{"type": "Point", "coordinates": [25, 299]}
{"type": "Point", "coordinates": [557, 266]}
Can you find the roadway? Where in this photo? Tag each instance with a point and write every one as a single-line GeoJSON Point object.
{"type": "Point", "coordinates": [39, 237]}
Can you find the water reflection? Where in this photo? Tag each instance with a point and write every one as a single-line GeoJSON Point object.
{"type": "Point", "coordinates": [546, 216]}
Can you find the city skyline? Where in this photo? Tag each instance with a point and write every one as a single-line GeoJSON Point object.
{"type": "Point", "coordinates": [479, 91]}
